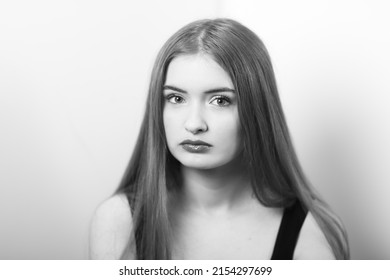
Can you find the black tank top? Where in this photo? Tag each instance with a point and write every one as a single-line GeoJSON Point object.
{"type": "Point", "coordinates": [290, 226]}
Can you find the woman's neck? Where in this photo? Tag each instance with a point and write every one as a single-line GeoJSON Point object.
{"type": "Point", "coordinates": [214, 191]}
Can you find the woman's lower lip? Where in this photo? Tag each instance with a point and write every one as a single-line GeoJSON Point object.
{"type": "Point", "coordinates": [195, 148]}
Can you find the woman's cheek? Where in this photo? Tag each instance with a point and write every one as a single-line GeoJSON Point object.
{"type": "Point", "coordinates": [171, 125]}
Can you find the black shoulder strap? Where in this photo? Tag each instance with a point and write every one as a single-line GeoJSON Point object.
{"type": "Point", "coordinates": [290, 226]}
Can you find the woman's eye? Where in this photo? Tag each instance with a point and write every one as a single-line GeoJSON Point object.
{"type": "Point", "coordinates": [221, 101]}
{"type": "Point", "coordinates": [175, 99]}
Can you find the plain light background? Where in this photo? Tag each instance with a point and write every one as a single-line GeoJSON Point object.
{"type": "Point", "coordinates": [73, 82]}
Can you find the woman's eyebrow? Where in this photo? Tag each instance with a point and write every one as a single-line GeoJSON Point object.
{"type": "Point", "coordinates": [222, 89]}
{"type": "Point", "coordinates": [174, 88]}
{"type": "Point", "coordinates": [215, 90]}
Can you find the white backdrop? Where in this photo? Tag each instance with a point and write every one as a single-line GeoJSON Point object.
{"type": "Point", "coordinates": [73, 82]}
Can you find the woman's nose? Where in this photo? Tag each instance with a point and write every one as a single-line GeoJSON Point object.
{"type": "Point", "coordinates": [195, 122]}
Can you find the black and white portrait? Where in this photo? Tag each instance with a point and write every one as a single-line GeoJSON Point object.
{"type": "Point", "coordinates": [194, 130]}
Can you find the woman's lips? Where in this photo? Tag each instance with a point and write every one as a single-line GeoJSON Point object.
{"type": "Point", "coordinates": [195, 146]}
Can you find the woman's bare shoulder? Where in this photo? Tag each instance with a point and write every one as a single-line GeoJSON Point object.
{"type": "Point", "coordinates": [110, 228]}
{"type": "Point", "coordinates": [312, 243]}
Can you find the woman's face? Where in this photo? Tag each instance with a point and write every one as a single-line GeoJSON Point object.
{"type": "Point", "coordinates": [200, 113]}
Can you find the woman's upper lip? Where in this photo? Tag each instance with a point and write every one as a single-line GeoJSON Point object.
{"type": "Point", "coordinates": [195, 142]}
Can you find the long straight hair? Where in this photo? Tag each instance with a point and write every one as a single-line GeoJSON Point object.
{"type": "Point", "coordinates": [276, 176]}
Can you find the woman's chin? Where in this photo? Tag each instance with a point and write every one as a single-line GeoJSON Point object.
{"type": "Point", "coordinates": [202, 164]}
{"type": "Point", "coordinates": [198, 165]}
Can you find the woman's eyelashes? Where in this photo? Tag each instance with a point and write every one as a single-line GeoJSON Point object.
{"type": "Point", "coordinates": [218, 100]}
{"type": "Point", "coordinates": [221, 100]}
{"type": "Point", "coordinates": [174, 98]}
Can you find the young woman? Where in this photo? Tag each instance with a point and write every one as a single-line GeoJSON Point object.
{"type": "Point", "coordinates": [214, 174]}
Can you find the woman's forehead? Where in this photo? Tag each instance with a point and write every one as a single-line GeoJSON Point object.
{"type": "Point", "coordinates": [197, 72]}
